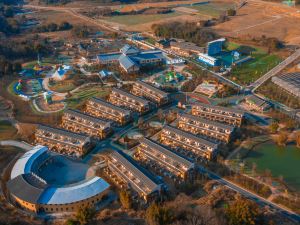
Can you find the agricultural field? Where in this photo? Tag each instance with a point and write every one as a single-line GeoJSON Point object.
{"type": "Point", "coordinates": [212, 9]}
{"type": "Point", "coordinates": [130, 20]}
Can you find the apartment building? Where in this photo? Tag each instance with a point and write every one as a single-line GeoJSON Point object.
{"type": "Point", "coordinates": [186, 49]}
{"type": "Point", "coordinates": [62, 141]}
{"type": "Point", "coordinates": [149, 92]}
{"type": "Point", "coordinates": [105, 110]}
{"type": "Point", "coordinates": [217, 113]}
{"type": "Point", "coordinates": [188, 144]}
{"type": "Point", "coordinates": [208, 128]}
{"type": "Point", "coordinates": [128, 174]}
{"type": "Point", "coordinates": [122, 98]}
{"type": "Point", "coordinates": [155, 154]}
{"type": "Point", "coordinates": [78, 122]}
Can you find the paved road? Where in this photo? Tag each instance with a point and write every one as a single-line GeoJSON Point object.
{"type": "Point", "coordinates": [275, 70]}
{"type": "Point", "coordinates": [18, 144]}
{"type": "Point", "coordinates": [259, 200]}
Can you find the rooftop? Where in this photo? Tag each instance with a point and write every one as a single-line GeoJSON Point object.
{"type": "Point", "coordinates": [257, 100]}
{"type": "Point", "coordinates": [135, 169]}
{"type": "Point", "coordinates": [225, 109]}
{"type": "Point", "coordinates": [209, 122]}
{"type": "Point", "coordinates": [87, 117]}
{"type": "Point", "coordinates": [24, 164]}
{"type": "Point", "coordinates": [73, 193]}
{"type": "Point", "coordinates": [167, 152]}
{"type": "Point", "coordinates": [156, 90]}
{"type": "Point", "coordinates": [109, 105]}
{"type": "Point", "coordinates": [62, 132]}
{"type": "Point", "coordinates": [124, 93]}
{"type": "Point", "coordinates": [190, 136]}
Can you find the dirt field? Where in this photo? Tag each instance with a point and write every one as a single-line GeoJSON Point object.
{"type": "Point", "coordinates": [258, 18]}
{"type": "Point", "coordinates": [255, 19]}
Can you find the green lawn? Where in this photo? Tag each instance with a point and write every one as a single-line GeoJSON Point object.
{"type": "Point", "coordinates": [83, 94]}
{"type": "Point", "coordinates": [62, 86]}
{"type": "Point", "coordinates": [7, 131]}
{"type": "Point", "coordinates": [249, 72]}
{"type": "Point", "coordinates": [140, 19]}
{"type": "Point", "coordinates": [214, 10]}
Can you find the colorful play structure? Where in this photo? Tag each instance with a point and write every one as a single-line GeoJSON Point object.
{"type": "Point", "coordinates": [48, 97]}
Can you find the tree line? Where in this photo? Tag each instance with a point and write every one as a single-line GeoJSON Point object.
{"type": "Point", "coordinates": [188, 31]}
{"type": "Point", "coordinates": [52, 27]}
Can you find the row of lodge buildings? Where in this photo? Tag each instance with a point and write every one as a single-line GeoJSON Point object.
{"type": "Point", "coordinates": [78, 129]}
{"type": "Point", "coordinates": [194, 138]}
{"type": "Point", "coordinates": [76, 134]}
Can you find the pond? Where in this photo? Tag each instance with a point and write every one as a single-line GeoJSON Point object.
{"type": "Point", "coordinates": [283, 161]}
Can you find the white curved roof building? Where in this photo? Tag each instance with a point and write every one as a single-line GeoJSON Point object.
{"type": "Point", "coordinates": [30, 192]}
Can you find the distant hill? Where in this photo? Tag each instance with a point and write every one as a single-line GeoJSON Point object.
{"type": "Point", "coordinates": [53, 2]}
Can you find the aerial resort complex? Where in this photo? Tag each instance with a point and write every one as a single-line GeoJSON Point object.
{"type": "Point", "coordinates": [146, 112]}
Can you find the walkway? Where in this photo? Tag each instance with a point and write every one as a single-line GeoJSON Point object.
{"type": "Point", "coordinates": [19, 144]}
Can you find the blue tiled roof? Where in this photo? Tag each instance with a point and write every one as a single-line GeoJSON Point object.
{"type": "Point", "coordinates": [109, 56]}
{"type": "Point", "coordinates": [25, 162]}
{"type": "Point", "coordinates": [126, 62]}
{"type": "Point", "coordinates": [128, 49]}
{"type": "Point", "coordinates": [73, 193]}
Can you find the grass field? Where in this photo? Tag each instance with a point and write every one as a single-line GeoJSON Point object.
{"type": "Point", "coordinates": [254, 69]}
{"type": "Point", "coordinates": [7, 131]}
{"type": "Point", "coordinates": [130, 20]}
{"type": "Point", "coordinates": [62, 87]}
{"type": "Point", "coordinates": [248, 72]}
{"type": "Point", "coordinates": [214, 10]}
{"type": "Point", "coordinates": [80, 96]}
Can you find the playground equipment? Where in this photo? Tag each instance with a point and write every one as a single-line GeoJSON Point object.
{"type": "Point", "coordinates": [48, 97]}
{"type": "Point", "coordinates": [289, 3]}
{"type": "Point", "coordinates": [19, 86]}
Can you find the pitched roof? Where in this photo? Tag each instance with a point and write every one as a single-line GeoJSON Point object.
{"type": "Point", "coordinates": [87, 117]}
{"type": "Point", "coordinates": [168, 152]}
{"type": "Point", "coordinates": [191, 136]}
{"type": "Point", "coordinates": [225, 109]}
{"type": "Point", "coordinates": [129, 49]}
{"type": "Point", "coordinates": [63, 132]}
{"type": "Point", "coordinates": [126, 62]}
{"type": "Point", "coordinates": [124, 93]}
{"type": "Point", "coordinates": [109, 105]}
{"type": "Point", "coordinates": [136, 170]}
{"type": "Point", "coordinates": [205, 121]}
{"type": "Point", "coordinates": [156, 90]}
{"type": "Point", "coordinates": [259, 102]}
{"type": "Point", "coordinates": [109, 56]}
